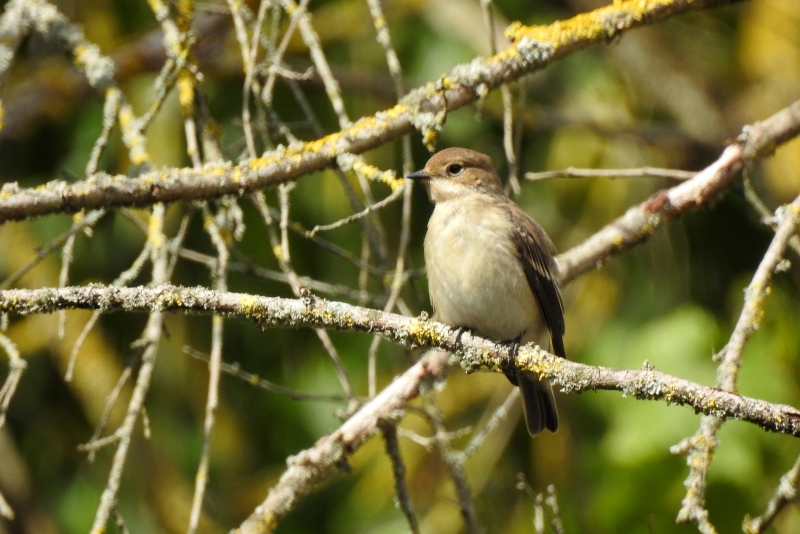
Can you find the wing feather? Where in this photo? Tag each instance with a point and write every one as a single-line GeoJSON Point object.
{"type": "Point", "coordinates": [534, 252]}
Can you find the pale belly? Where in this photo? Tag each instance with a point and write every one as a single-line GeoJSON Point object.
{"type": "Point", "coordinates": [476, 281]}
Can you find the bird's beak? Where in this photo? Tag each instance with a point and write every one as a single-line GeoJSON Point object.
{"type": "Point", "coordinates": [419, 175]}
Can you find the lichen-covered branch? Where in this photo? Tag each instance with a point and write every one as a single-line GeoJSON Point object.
{"type": "Point", "coordinates": [785, 494]}
{"type": "Point", "coordinates": [313, 465]}
{"type": "Point", "coordinates": [151, 336]}
{"type": "Point", "coordinates": [641, 221]}
{"type": "Point", "coordinates": [476, 353]}
{"type": "Point", "coordinates": [533, 48]}
{"type": "Point", "coordinates": [700, 448]}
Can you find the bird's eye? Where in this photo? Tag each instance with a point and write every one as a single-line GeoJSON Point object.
{"type": "Point", "coordinates": [454, 169]}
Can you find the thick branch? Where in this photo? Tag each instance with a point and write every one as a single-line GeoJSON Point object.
{"type": "Point", "coordinates": [533, 48]}
{"type": "Point", "coordinates": [476, 353]}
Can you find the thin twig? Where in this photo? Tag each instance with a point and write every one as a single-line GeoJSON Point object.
{"type": "Point", "coordinates": [110, 111]}
{"type": "Point", "coordinates": [766, 216]}
{"type": "Point", "coordinates": [640, 222]}
{"type": "Point", "coordinates": [454, 463]}
{"type": "Point", "coordinates": [277, 57]}
{"type": "Point", "coordinates": [42, 252]}
{"type": "Point", "coordinates": [5, 509]}
{"type": "Point", "coordinates": [94, 442]}
{"type": "Point", "coordinates": [497, 417]}
{"type": "Point", "coordinates": [234, 369]}
{"type": "Point", "coordinates": [249, 62]}
{"type": "Point", "coordinates": [356, 216]}
{"type": "Point", "coordinates": [215, 362]}
{"type": "Point", "coordinates": [641, 172]}
{"type": "Point", "coordinates": [786, 493]}
{"type": "Point", "coordinates": [245, 265]}
{"type": "Point", "coordinates": [150, 340]}
{"type": "Point", "coordinates": [508, 106]}
{"type": "Point", "coordinates": [702, 445]}
{"type": "Point", "coordinates": [312, 41]}
{"type": "Point", "coordinates": [756, 292]}
{"type": "Point", "coordinates": [163, 84]}
{"type": "Point", "coordinates": [389, 432]}
{"type": "Point", "coordinates": [16, 366]}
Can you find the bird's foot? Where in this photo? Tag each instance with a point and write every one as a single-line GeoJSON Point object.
{"type": "Point", "coordinates": [461, 330]}
{"type": "Point", "coordinates": [508, 367]}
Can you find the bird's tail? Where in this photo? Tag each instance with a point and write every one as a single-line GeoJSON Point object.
{"type": "Point", "coordinates": [538, 403]}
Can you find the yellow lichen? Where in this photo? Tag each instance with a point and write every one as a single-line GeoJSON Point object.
{"type": "Point", "coordinates": [186, 91]}
{"type": "Point", "coordinates": [80, 52]}
{"type": "Point", "coordinates": [154, 234]}
{"type": "Point", "coordinates": [248, 304]}
{"type": "Point", "coordinates": [125, 116]}
{"type": "Point", "coordinates": [217, 170]}
{"type": "Point", "coordinates": [140, 158]}
{"type": "Point", "coordinates": [396, 183]}
{"type": "Point", "coordinates": [429, 139]}
{"type": "Point", "coordinates": [586, 26]}
{"type": "Point", "coordinates": [423, 333]}
{"type": "Point", "coordinates": [278, 251]}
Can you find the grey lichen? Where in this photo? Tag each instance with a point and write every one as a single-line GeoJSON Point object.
{"type": "Point", "coordinates": [535, 52]}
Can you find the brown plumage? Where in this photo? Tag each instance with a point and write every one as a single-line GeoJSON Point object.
{"type": "Point", "coordinates": [490, 268]}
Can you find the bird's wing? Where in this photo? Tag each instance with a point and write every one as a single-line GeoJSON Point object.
{"type": "Point", "coordinates": [533, 249]}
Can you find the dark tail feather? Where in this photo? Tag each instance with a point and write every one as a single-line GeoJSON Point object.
{"type": "Point", "coordinates": [538, 403]}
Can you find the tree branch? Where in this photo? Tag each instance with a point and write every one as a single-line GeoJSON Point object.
{"type": "Point", "coordinates": [534, 48]}
{"type": "Point", "coordinates": [476, 353]}
{"type": "Point", "coordinates": [640, 222]}
{"type": "Point", "coordinates": [313, 465]}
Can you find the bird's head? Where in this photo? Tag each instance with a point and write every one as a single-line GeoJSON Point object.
{"type": "Point", "coordinates": [456, 172]}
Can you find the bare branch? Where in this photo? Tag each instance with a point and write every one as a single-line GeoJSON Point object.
{"type": "Point", "coordinates": [756, 292]}
{"type": "Point", "coordinates": [785, 494]}
{"type": "Point", "coordinates": [572, 172]}
{"type": "Point", "coordinates": [389, 432]}
{"type": "Point", "coordinates": [234, 369]}
{"type": "Point", "coordinates": [16, 367]}
{"type": "Point", "coordinates": [454, 463]}
{"type": "Point", "coordinates": [702, 445]}
{"type": "Point", "coordinates": [372, 208]}
{"type": "Point", "coordinates": [313, 465]}
{"type": "Point", "coordinates": [149, 340]}
{"type": "Point", "coordinates": [214, 372]}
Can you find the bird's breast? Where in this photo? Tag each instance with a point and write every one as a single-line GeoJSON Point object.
{"type": "Point", "coordinates": [475, 278]}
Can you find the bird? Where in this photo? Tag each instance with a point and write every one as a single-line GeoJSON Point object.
{"type": "Point", "coordinates": [491, 270]}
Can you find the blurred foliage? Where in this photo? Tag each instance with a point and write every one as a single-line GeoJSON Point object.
{"type": "Point", "coordinates": [669, 95]}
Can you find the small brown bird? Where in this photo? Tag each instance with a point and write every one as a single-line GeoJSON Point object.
{"type": "Point", "coordinates": [490, 268]}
